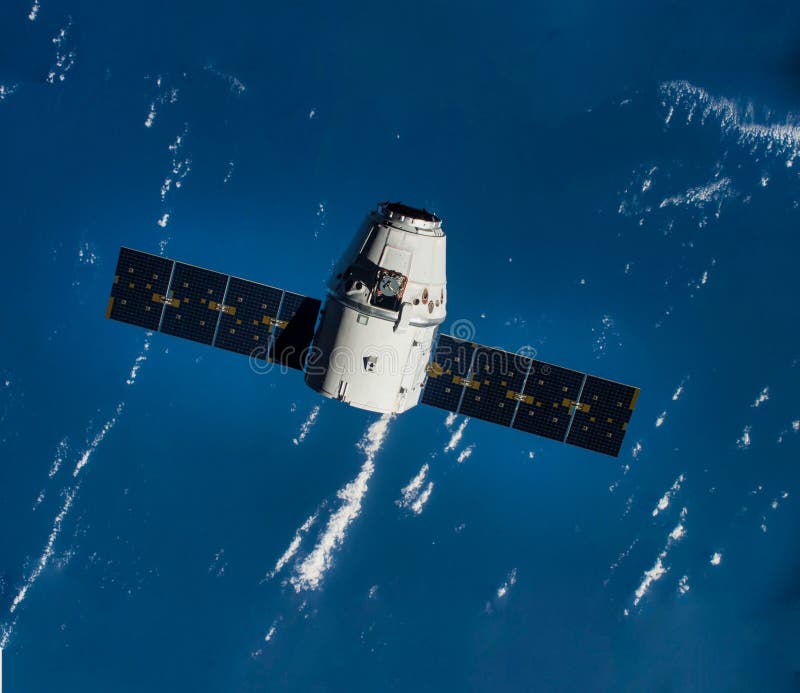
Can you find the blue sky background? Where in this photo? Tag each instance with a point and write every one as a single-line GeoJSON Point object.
{"type": "Point", "coordinates": [619, 187]}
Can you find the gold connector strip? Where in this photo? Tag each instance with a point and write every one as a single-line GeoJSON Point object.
{"type": "Point", "coordinates": [222, 308]}
{"type": "Point", "coordinates": [519, 397]}
{"type": "Point", "coordinates": [160, 298]}
{"type": "Point", "coordinates": [110, 306]}
{"type": "Point", "coordinates": [474, 384]}
{"type": "Point", "coordinates": [435, 369]}
{"type": "Point", "coordinates": [274, 322]}
{"type": "Point", "coordinates": [634, 398]}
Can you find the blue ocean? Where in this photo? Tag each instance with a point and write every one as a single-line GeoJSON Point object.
{"type": "Point", "coordinates": [619, 186]}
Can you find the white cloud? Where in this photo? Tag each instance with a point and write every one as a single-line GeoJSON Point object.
{"type": "Point", "coordinates": [661, 418]}
{"type": "Point", "coordinates": [455, 439]}
{"type": "Point", "coordinates": [716, 558]}
{"type": "Point", "coordinates": [34, 12]}
{"type": "Point", "coordinates": [743, 442]}
{"type": "Point", "coordinates": [450, 420]}
{"type": "Point", "coordinates": [466, 453]}
{"type": "Point", "coordinates": [46, 555]}
{"type": "Point", "coordinates": [294, 545]}
{"type": "Point", "coordinates": [659, 569]}
{"type": "Point", "coordinates": [777, 139]}
{"type": "Point", "coordinates": [311, 570]}
{"type": "Point", "coordinates": [763, 396]}
{"type": "Point", "coordinates": [139, 360]}
{"type": "Point", "coordinates": [679, 391]}
{"type": "Point", "coordinates": [683, 585]}
{"type": "Point", "coordinates": [715, 192]}
{"type": "Point", "coordinates": [151, 115]}
{"type": "Point", "coordinates": [422, 499]}
{"type": "Point", "coordinates": [65, 59]}
{"type": "Point", "coordinates": [307, 425]}
{"type": "Point", "coordinates": [236, 85]}
{"type": "Point", "coordinates": [62, 450]}
{"type": "Point", "coordinates": [101, 434]}
{"type": "Point", "coordinates": [7, 90]}
{"type": "Point", "coordinates": [413, 487]}
{"type": "Point", "coordinates": [416, 493]}
{"type": "Point", "coordinates": [510, 581]}
{"type": "Point", "coordinates": [663, 503]}
{"type": "Point", "coordinates": [650, 576]}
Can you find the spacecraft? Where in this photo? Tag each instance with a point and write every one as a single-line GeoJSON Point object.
{"type": "Point", "coordinates": [375, 343]}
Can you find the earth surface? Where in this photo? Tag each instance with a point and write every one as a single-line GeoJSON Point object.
{"type": "Point", "coordinates": [619, 185]}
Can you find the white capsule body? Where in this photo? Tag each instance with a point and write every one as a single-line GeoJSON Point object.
{"type": "Point", "coordinates": [386, 298]}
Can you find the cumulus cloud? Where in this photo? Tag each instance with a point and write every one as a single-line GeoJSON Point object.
{"type": "Point", "coordinates": [659, 569]}
{"type": "Point", "coordinates": [734, 120]}
{"type": "Point", "coordinates": [99, 437]}
{"type": "Point", "coordinates": [416, 493]}
{"type": "Point", "coordinates": [455, 438]}
{"type": "Point", "coordinates": [663, 502]}
{"type": "Point", "coordinates": [306, 426]}
{"type": "Point", "coordinates": [466, 453]}
{"type": "Point", "coordinates": [743, 441]}
{"type": "Point", "coordinates": [762, 397]}
{"type": "Point", "coordinates": [508, 583]}
{"type": "Point", "coordinates": [294, 545]}
{"type": "Point", "coordinates": [309, 573]}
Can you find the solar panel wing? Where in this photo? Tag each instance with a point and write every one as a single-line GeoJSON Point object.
{"type": "Point", "coordinates": [140, 286]}
{"type": "Point", "coordinates": [529, 395]}
{"type": "Point", "coordinates": [213, 308]}
{"type": "Point", "coordinates": [602, 417]}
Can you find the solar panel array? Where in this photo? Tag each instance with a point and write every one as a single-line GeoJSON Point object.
{"type": "Point", "coordinates": [529, 395]}
{"type": "Point", "coordinates": [212, 308]}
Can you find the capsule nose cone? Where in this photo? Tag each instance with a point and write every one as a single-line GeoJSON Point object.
{"type": "Point", "coordinates": [412, 218]}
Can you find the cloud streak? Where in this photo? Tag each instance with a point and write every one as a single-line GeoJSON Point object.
{"type": "Point", "coordinates": [309, 573]}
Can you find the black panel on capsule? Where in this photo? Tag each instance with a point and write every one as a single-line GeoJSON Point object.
{"type": "Point", "coordinates": [602, 427]}
{"type": "Point", "coordinates": [194, 292]}
{"type": "Point", "coordinates": [494, 374]}
{"type": "Point", "coordinates": [291, 343]}
{"type": "Point", "coordinates": [140, 282]}
{"type": "Point", "coordinates": [245, 326]}
{"type": "Point", "coordinates": [552, 389]}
